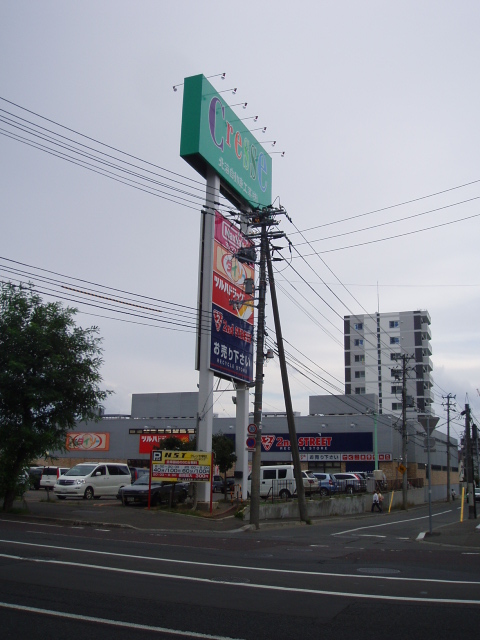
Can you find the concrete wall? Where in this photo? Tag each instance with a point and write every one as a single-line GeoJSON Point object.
{"type": "Point", "coordinates": [338, 505]}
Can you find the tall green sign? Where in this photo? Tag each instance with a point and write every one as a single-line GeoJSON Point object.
{"type": "Point", "coordinates": [213, 135]}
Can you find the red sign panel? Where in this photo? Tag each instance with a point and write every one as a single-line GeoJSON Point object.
{"type": "Point", "coordinates": [150, 442]}
{"type": "Point", "coordinates": [231, 298]}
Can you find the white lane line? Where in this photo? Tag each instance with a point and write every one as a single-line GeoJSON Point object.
{"type": "Point", "coordinates": [114, 623]}
{"type": "Point", "coordinates": [234, 566]}
{"type": "Point", "coordinates": [388, 524]}
{"type": "Point", "coordinates": [248, 585]}
{"type": "Point", "coordinates": [370, 535]}
{"type": "Point", "coordinates": [39, 524]}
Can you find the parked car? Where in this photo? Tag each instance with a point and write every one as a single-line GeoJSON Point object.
{"type": "Point", "coordinates": [91, 480]}
{"type": "Point", "coordinates": [477, 494]}
{"type": "Point", "coordinates": [218, 484]}
{"type": "Point", "coordinates": [50, 476]}
{"type": "Point", "coordinates": [326, 483]}
{"type": "Point", "coordinates": [136, 472]}
{"type": "Point", "coordinates": [161, 492]}
{"type": "Point", "coordinates": [309, 482]}
{"type": "Point", "coordinates": [35, 474]}
{"type": "Point", "coordinates": [350, 482]}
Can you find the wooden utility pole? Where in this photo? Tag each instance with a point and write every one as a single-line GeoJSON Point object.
{"type": "Point", "coordinates": [302, 506]}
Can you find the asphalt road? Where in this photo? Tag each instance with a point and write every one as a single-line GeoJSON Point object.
{"type": "Point", "coordinates": [341, 578]}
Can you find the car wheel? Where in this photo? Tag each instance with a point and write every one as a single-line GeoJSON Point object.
{"type": "Point", "coordinates": [323, 492]}
{"type": "Point", "coordinates": [350, 490]}
{"type": "Point", "coordinates": [88, 495]}
{"type": "Point", "coordinates": [285, 493]}
{"type": "Point", "coordinates": [61, 497]}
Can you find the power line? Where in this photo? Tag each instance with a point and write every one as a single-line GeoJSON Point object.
{"type": "Point", "coordinates": [393, 206]}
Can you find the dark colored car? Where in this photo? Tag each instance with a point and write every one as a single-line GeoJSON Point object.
{"type": "Point", "coordinates": [35, 474]}
{"type": "Point", "coordinates": [161, 492]}
{"type": "Point", "coordinates": [218, 484]}
{"type": "Point", "coordinates": [350, 482]}
{"type": "Point", "coordinates": [136, 472]}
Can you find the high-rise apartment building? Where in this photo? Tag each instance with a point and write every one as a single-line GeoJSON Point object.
{"type": "Point", "coordinates": [373, 344]}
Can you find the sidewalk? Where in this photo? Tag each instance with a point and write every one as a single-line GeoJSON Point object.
{"type": "Point", "coordinates": [464, 534]}
{"type": "Point", "coordinates": [110, 512]}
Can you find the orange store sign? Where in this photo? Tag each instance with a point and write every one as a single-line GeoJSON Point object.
{"type": "Point", "coordinates": [88, 441]}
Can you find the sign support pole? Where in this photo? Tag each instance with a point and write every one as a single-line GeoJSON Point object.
{"type": "Point", "coordinates": [204, 330]}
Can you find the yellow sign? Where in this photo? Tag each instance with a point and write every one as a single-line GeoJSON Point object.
{"type": "Point", "coordinates": [401, 468]}
{"type": "Point", "coordinates": [185, 466]}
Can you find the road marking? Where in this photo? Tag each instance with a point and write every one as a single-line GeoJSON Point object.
{"type": "Point", "coordinates": [40, 524]}
{"type": "Point", "coordinates": [371, 535]}
{"type": "Point", "coordinates": [231, 566]}
{"type": "Point", "coordinates": [388, 524]}
{"type": "Point", "coordinates": [114, 623]}
{"type": "Point", "coordinates": [266, 587]}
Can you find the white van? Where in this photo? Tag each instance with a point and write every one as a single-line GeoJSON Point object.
{"type": "Point", "coordinates": [275, 480]}
{"type": "Point", "coordinates": [92, 480]}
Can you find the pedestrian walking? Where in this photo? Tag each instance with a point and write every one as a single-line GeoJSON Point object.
{"type": "Point", "coordinates": [453, 494]}
{"type": "Point", "coordinates": [376, 502]}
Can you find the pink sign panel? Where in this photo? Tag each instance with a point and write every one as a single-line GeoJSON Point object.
{"type": "Point", "coordinates": [228, 235]}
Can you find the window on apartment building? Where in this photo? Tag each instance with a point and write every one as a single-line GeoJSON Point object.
{"type": "Point", "coordinates": [359, 390]}
{"type": "Point", "coordinates": [393, 356]}
{"type": "Point", "coordinates": [394, 340]}
{"type": "Point", "coordinates": [393, 324]}
{"type": "Point", "coordinates": [358, 342]}
{"type": "Point", "coordinates": [360, 358]}
{"type": "Point", "coordinates": [396, 406]}
{"type": "Point", "coordinates": [358, 326]}
{"type": "Point", "coordinates": [396, 390]}
{"type": "Point", "coordinates": [359, 374]}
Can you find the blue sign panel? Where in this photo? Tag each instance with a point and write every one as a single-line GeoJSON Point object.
{"type": "Point", "coordinates": [231, 351]}
{"type": "Point", "coordinates": [316, 443]}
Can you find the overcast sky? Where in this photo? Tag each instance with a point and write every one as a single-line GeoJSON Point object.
{"type": "Point", "coordinates": [375, 104]}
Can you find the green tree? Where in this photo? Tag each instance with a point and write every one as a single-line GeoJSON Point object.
{"type": "Point", "coordinates": [49, 377]}
{"type": "Point", "coordinates": [223, 447]}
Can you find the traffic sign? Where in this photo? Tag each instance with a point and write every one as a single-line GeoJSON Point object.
{"type": "Point", "coordinates": [428, 422]}
{"type": "Point", "coordinates": [251, 443]}
{"type": "Point", "coordinates": [402, 468]}
{"type": "Point", "coordinates": [252, 429]}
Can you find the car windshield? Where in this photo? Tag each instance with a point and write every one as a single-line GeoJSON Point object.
{"type": "Point", "coordinates": [80, 470]}
{"type": "Point", "coordinates": [142, 480]}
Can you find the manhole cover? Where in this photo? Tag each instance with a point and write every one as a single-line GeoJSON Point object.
{"type": "Point", "coordinates": [378, 570]}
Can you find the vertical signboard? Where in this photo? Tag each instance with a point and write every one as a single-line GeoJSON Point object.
{"type": "Point", "coordinates": [231, 351]}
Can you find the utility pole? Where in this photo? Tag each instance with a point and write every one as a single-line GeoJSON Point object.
{"type": "Point", "coordinates": [403, 372]}
{"type": "Point", "coordinates": [472, 514]}
{"type": "Point", "coordinates": [448, 398]}
{"type": "Point", "coordinates": [257, 407]}
{"type": "Point", "coordinates": [302, 506]}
